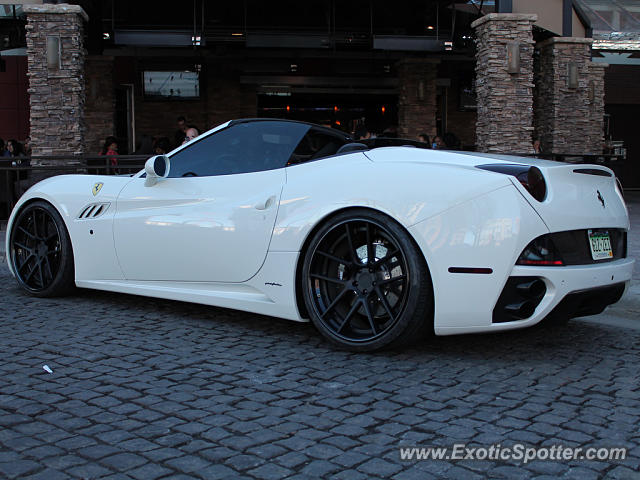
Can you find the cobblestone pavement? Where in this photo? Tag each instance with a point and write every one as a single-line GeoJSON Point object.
{"type": "Point", "coordinates": [144, 388]}
{"type": "Point", "coordinates": [148, 389]}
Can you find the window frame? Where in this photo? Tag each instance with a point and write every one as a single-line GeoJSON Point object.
{"type": "Point", "coordinates": [231, 124]}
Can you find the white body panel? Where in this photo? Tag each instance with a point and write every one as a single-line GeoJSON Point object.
{"type": "Point", "coordinates": [197, 229]}
{"type": "Point", "coordinates": [236, 241]}
{"type": "Point", "coordinates": [487, 232]}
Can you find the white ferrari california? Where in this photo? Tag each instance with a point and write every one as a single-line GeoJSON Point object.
{"type": "Point", "coordinates": [376, 244]}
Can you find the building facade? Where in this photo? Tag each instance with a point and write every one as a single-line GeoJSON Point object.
{"type": "Point", "coordinates": [495, 74]}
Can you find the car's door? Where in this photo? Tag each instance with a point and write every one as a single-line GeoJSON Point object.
{"type": "Point", "coordinates": [212, 219]}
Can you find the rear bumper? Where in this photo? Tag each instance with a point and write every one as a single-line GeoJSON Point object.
{"type": "Point", "coordinates": [570, 290]}
{"type": "Point", "coordinates": [592, 301]}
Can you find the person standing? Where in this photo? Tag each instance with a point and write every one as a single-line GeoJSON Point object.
{"type": "Point", "coordinates": [438, 143]}
{"type": "Point", "coordinates": [14, 148]}
{"type": "Point", "coordinates": [190, 133]}
{"type": "Point", "coordinates": [110, 149]}
{"type": "Point", "coordinates": [3, 151]}
{"type": "Point", "coordinates": [27, 146]}
{"type": "Point", "coordinates": [535, 147]}
{"type": "Point", "coordinates": [181, 132]}
{"type": "Point", "coordinates": [162, 146]}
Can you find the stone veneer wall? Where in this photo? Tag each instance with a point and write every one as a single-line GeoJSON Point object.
{"type": "Point", "coordinates": [56, 95]}
{"type": "Point", "coordinates": [596, 137]}
{"type": "Point", "coordinates": [505, 100]}
{"type": "Point", "coordinates": [569, 120]}
{"type": "Point", "coordinates": [416, 115]}
{"type": "Point", "coordinates": [100, 104]}
{"type": "Point", "coordinates": [461, 123]}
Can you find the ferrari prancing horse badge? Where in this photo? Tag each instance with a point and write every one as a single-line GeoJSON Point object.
{"type": "Point", "coordinates": [96, 188]}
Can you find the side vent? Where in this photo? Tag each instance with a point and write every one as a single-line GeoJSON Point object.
{"type": "Point", "coordinates": [93, 210]}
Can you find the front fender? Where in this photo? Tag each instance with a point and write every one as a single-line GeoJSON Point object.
{"type": "Point", "coordinates": [91, 239]}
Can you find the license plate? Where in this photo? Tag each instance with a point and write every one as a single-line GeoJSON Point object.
{"type": "Point", "coordinates": [600, 244]}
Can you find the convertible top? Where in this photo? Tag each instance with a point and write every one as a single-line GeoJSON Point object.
{"type": "Point", "coordinates": [370, 143]}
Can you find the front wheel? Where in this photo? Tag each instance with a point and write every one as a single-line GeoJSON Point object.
{"type": "Point", "coordinates": [40, 251]}
{"type": "Point", "coordinates": [366, 284]}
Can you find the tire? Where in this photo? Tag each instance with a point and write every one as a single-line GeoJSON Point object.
{"type": "Point", "coordinates": [40, 251]}
{"type": "Point", "coordinates": [365, 283]}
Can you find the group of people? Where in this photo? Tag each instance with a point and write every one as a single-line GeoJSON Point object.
{"type": "Point", "coordinates": [13, 148]}
{"type": "Point", "coordinates": [147, 145]}
{"type": "Point", "coordinates": [447, 141]}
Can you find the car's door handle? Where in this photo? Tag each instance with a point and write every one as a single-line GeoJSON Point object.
{"type": "Point", "coordinates": [266, 204]}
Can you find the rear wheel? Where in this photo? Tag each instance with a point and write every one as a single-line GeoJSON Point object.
{"type": "Point", "coordinates": [366, 284]}
{"type": "Point", "coordinates": [40, 251]}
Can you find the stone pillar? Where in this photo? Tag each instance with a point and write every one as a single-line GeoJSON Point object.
{"type": "Point", "coordinates": [569, 117]}
{"type": "Point", "coordinates": [505, 100]}
{"type": "Point", "coordinates": [57, 94]}
{"type": "Point", "coordinates": [595, 95]}
{"type": "Point", "coordinates": [417, 97]}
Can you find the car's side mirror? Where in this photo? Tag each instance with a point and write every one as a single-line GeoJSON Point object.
{"type": "Point", "coordinates": [156, 167]}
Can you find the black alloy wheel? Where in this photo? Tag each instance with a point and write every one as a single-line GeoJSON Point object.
{"type": "Point", "coordinates": [40, 251]}
{"type": "Point", "coordinates": [366, 285]}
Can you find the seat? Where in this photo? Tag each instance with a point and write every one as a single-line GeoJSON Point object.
{"type": "Point", "coordinates": [352, 147]}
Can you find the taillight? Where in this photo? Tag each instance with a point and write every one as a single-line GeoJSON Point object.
{"type": "Point", "coordinates": [541, 252]}
{"type": "Point", "coordinates": [529, 177]}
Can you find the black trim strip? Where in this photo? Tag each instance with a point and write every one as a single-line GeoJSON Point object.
{"type": "Point", "coordinates": [480, 270]}
{"type": "Point", "coordinates": [592, 171]}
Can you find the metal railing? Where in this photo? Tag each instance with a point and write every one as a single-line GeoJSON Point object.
{"type": "Point", "coordinates": [19, 173]}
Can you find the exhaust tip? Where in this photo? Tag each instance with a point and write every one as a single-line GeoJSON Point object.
{"type": "Point", "coordinates": [521, 310]}
{"type": "Point", "coordinates": [533, 289]}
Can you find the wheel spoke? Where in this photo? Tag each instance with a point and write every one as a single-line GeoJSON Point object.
{"type": "Point", "coordinates": [392, 279]}
{"type": "Point", "coordinates": [370, 254]}
{"type": "Point", "coordinates": [31, 272]}
{"type": "Point", "coordinates": [372, 323]}
{"type": "Point", "coordinates": [35, 225]}
{"type": "Point", "coordinates": [385, 304]}
{"type": "Point", "coordinates": [40, 274]}
{"type": "Point", "coordinates": [49, 270]}
{"type": "Point", "coordinates": [327, 279]}
{"type": "Point", "coordinates": [386, 258]}
{"type": "Point", "coordinates": [27, 233]}
{"type": "Point", "coordinates": [22, 246]}
{"type": "Point", "coordinates": [334, 258]}
{"type": "Point", "coordinates": [352, 249]}
{"type": "Point", "coordinates": [45, 226]}
{"type": "Point", "coordinates": [25, 262]}
{"type": "Point", "coordinates": [335, 301]}
{"type": "Point", "coordinates": [353, 310]}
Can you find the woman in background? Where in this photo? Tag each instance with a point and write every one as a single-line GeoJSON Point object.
{"type": "Point", "coordinates": [110, 149]}
{"type": "Point", "coordinates": [14, 148]}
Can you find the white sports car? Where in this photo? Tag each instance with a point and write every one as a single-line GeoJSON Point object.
{"type": "Point", "coordinates": [375, 245]}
